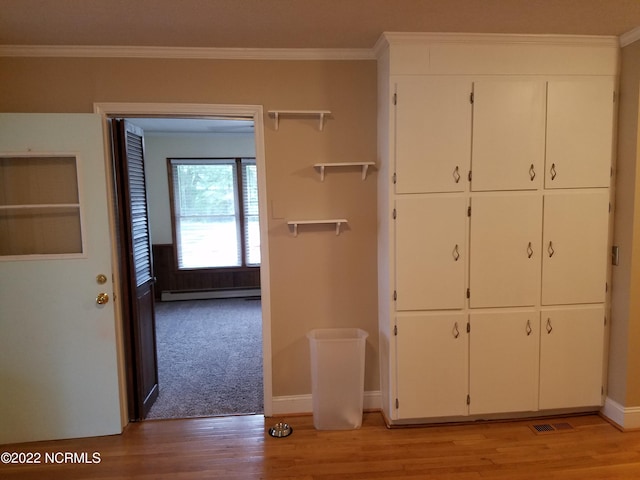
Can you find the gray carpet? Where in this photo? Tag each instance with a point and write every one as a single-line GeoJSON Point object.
{"type": "Point", "coordinates": [209, 358]}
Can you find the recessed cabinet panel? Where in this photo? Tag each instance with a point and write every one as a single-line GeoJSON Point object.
{"type": "Point", "coordinates": [433, 134]}
{"type": "Point", "coordinates": [504, 362]}
{"type": "Point", "coordinates": [579, 133]}
{"type": "Point", "coordinates": [430, 252]}
{"type": "Point", "coordinates": [571, 357]}
{"type": "Point", "coordinates": [574, 256]}
{"type": "Point", "coordinates": [432, 365]}
{"type": "Point", "coordinates": [505, 253]}
{"type": "Point", "coordinates": [508, 135]}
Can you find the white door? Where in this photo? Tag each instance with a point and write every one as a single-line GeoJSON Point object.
{"type": "Point", "coordinates": [574, 256]}
{"type": "Point", "coordinates": [58, 346]}
{"type": "Point", "coordinates": [433, 134]}
{"type": "Point", "coordinates": [508, 135]}
{"type": "Point", "coordinates": [430, 252]}
{"type": "Point", "coordinates": [503, 362]}
{"type": "Point", "coordinates": [580, 117]}
{"type": "Point", "coordinates": [432, 365]}
{"type": "Point", "coordinates": [571, 357]}
{"type": "Point", "coordinates": [505, 256]}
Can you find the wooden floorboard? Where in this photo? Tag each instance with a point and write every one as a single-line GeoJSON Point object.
{"type": "Point", "coordinates": [240, 448]}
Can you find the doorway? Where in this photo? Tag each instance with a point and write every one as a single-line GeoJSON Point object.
{"type": "Point", "coordinates": [254, 114]}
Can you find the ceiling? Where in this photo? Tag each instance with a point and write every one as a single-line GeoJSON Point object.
{"type": "Point", "coordinates": [175, 125]}
{"type": "Point", "coordinates": [296, 23]}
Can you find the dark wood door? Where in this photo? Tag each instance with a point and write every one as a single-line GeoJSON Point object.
{"type": "Point", "coordinates": [136, 269]}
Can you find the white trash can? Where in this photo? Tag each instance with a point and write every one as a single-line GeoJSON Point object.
{"type": "Point", "coordinates": [337, 377]}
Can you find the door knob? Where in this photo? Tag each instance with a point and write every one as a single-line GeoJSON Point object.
{"type": "Point", "coordinates": [102, 298]}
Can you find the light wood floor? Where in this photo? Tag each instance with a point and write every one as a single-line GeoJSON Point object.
{"type": "Point", "coordinates": [240, 448]}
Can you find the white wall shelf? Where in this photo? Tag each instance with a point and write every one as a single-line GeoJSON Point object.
{"type": "Point", "coordinates": [276, 114]}
{"type": "Point", "coordinates": [337, 221]}
{"type": "Point", "coordinates": [365, 167]}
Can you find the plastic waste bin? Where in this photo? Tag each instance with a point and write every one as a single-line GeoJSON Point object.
{"type": "Point", "coordinates": [337, 377]}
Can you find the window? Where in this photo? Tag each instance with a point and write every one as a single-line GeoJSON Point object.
{"type": "Point", "coordinates": [215, 212]}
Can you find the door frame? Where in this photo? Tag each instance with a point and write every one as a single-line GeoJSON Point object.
{"type": "Point", "coordinates": [181, 110]}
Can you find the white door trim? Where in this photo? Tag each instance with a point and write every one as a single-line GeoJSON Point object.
{"type": "Point", "coordinates": [202, 110]}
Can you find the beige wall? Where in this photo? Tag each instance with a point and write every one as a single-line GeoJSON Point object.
{"type": "Point", "coordinates": [624, 358]}
{"type": "Point", "coordinates": [317, 279]}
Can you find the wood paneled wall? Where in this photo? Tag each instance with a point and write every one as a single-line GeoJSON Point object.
{"type": "Point", "coordinates": [169, 278]}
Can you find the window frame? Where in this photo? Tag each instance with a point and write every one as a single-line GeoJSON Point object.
{"type": "Point", "coordinates": [240, 216]}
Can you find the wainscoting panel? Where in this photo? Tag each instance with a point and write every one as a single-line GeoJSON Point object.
{"type": "Point", "coordinates": [170, 279]}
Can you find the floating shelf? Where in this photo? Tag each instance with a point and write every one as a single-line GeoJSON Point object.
{"type": "Point", "coordinates": [337, 221]}
{"type": "Point", "coordinates": [276, 114]}
{"type": "Point", "coordinates": [365, 167]}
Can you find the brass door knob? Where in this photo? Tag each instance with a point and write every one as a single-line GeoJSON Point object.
{"type": "Point", "coordinates": [102, 298]}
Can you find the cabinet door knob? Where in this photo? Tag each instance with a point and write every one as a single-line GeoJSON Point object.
{"type": "Point", "coordinates": [532, 172]}
{"type": "Point", "coordinates": [529, 330]}
{"type": "Point", "coordinates": [550, 249]}
{"type": "Point", "coordinates": [552, 171]}
{"type": "Point", "coordinates": [456, 331]}
{"type": "Point", "coordinates": [456, 174]}
{"type": "Point", "coordinates": [455, 253]}
{"type": "Point", "coordinates": [529, 251]}
{"type": "Point", "coordinates": [549, 327]}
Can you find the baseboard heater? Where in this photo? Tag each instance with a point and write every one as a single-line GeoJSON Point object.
{"type": "Point", "coordinates": [174, 295]}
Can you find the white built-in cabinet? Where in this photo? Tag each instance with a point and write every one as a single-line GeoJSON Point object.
{"type": "Point", "coordinates": [494, 196]}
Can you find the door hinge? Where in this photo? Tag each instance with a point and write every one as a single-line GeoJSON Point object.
{"type": "Point", "coordinates": [469, 175]}
{"type": "Point", "coordinates": [395, 295]}
{"type": "Point", "coordinates": [395, 330]}
{"type": "Point", "coordinates": [609, 207]}
{"type": "Point", "coordinates": [469, 211]}
{"type": "Point", "coordinates": [471, 98]}
{"type": "Point", "coordinates": [468, 293]}
{"type": "Point", "coordinates": [468, 327]}
{"type": "Point", "coordinates": [397, 404]}
{"type": "Point", "coordinates": [395, 214]}
{"type": "Point", "coordinates": [606, 287]}
{"type": "Point", "coordinates": [394, 178]}
{"type": "Point", "coordinates": [605, 320]}
{"type": "Point", "coordinates": [395, 98]}
{"type": "Point", "coordinates": [468, 399]}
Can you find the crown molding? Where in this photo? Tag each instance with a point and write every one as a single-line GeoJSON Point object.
{"type": "Point", "coordinates": [99, 51]}
{"type": "Point", "coordinates": [630, 37]}
{"type": "Point", "coordinates": [503, 38]}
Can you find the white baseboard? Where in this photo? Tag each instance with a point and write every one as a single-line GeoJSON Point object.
{"type": "Point", "coordinates": [169, 295]}
{"type": "Point", "coordinates": [302, 404]}
{"type": "Point", "coordinates": [626, 417]}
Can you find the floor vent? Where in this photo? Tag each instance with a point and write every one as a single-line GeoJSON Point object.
{"type": "Point", "coordinates": [541, 428]}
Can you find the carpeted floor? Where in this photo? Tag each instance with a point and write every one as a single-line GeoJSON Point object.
{"type": "Point", "coordinates": [209, 358]}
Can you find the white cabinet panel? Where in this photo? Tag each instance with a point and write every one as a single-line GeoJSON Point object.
{"type": "Point", "coordinates": [508, 135]}
{"type": "Point", "coordinates": [505, 254]}
{"type": "Point", "coordinates": [571, 357]}
{"type": "Point", "coordinates": [432, 365]}
{"type": "Point", "coordinates": [503, 374]}
{"type": "Point", "coordinates": [430, 252]}
{"type": "Point", "coordinates": [433, 134]}
{"type": "Point", "coordinates": [579, 133]}
{"type": "Point", "coordinates": [574, 247]}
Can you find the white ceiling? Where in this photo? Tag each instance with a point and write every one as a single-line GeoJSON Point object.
{"type": "Point", "coordinates": [193, 125]}
{"type": "Point", "coordinates": [296, 23]}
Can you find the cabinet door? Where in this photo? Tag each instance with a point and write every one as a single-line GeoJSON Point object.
{"type": "Point", "coordinates": [508, 135]}
{"type": "Point", "coordinates": [571, 357]}
{"type": "Point", "coordinates": [579, 133]}
{"type": "Point", "coordinates": [503, 356]}
{"type": "Point", "coordinates": [506, 231]}
{"type": "Point", "coordinates": [575, 238]}
{"type": "Point", "coordinates": [430, 252]}
{"type": "Point", "coordinates": [433, 134]}
{"type": "Point", "coordinates": [432, 365]}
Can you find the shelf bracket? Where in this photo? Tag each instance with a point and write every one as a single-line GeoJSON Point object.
{"type": "Point", "coordinates": [365, 167]}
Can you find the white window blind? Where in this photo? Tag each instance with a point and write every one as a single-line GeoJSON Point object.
{"type": "Point", "coordinates": [215, 213]}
